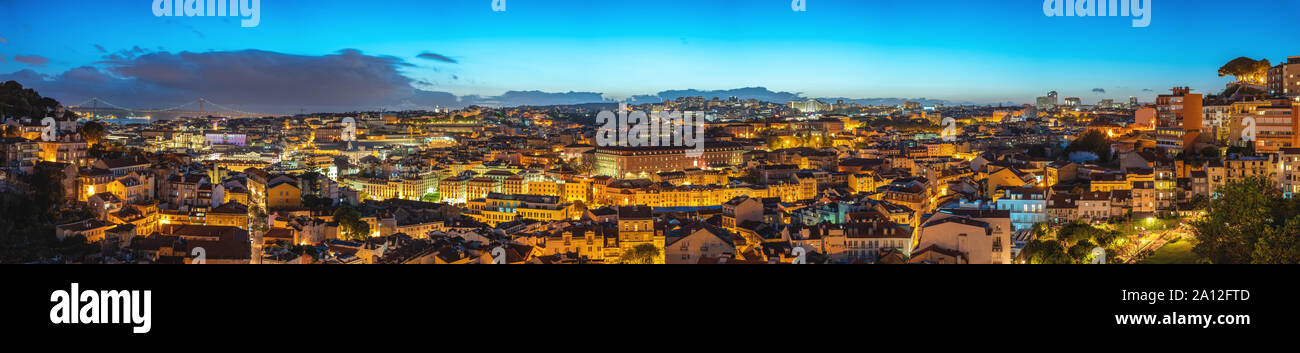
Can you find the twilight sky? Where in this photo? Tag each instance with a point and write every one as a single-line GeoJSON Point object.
{"type": "Point", "coordinates": [343, 55]}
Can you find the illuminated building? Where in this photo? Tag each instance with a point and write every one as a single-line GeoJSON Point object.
{"type": "Point", "coordinates": [1106, 182]}
{"type": "Point", "coordinates": [1284, 79]}
{"type": "Point", "coordinates": [636, 226]}
{"type": "Point", "coordinates": [642, 162]}
{"type": "Point", "coordinates": [980, 236]}
{"type": "Point", "coordinates": [68, 148]}
{"type": "Point", "coordinates": [1028, 206]}
{"type": "Point", "coordinates": [92, 229]}
{"type": "Point", "coordinates": [454, 190]}
{"type": "Point", "coordinates": [414, 188]}
{"type": "Point", "coordinates": [809, 106]}
{"type": "Point", "coordinates": [1047, 103]}
{"type": "Point", "coordinates": [1179, 118]}
{"type": "Point", "coordinates": [695, 243]}
{"type": "Point", "coordinates": [1236, 168]}
{"type": "Point", "coordinates": [740, 210]}
{"type": "Point", "coordinates": [230, 214]}
{"type": "Point", "coordinates": [866, 236]}
{"type": "Point", "coordinates": [283, 194]}
{"type": "Point", "coordinates": [1288, 171]}
{"type": "Point", "coordinates": [499, 208]}
{"type": "Point", "coordinates": [480, 187]}
{"type": "Point", "coordinates": [589, 242]}
{"type": "Point", "coordinates": [1276, 126]}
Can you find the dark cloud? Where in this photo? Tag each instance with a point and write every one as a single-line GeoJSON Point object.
{"type": "Point", "coordinates": [3, 40]}
{"type": "Point", "coordinates": [257, 81]}
{"type": "Point", "coordinates": [436, 57]}
{"type": "Point", "coordinates": [100, 48]}
{"type": "Point", "coordinates": [1098, 90]}
{"type": "Point", "coordinates": [33, 60]}
{"type": "Point", "coordinates": [1147, 90]}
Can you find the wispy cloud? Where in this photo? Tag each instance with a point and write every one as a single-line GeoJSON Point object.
{"type": "Point", "coordinates": [436, 57]}
{"type": "Point", "coordinates": [33, 60]}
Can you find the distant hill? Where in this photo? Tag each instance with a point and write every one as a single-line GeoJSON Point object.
{"type": "Point", "coordinates": [766, 95]}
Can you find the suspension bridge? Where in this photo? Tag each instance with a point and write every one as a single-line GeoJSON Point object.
{"type": "Point", "coordinates": [97, 108]}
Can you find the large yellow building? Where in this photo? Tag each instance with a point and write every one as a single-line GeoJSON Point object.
{"type": "Point", "coordinates": [413, 188]}
{"type": "Point", "coordinates": [230, 214]}
{"type": "Point", "coordinates": [636, 226]}
{"type": "Point", "coordinates": [500, 208]}
{"type": "Point", "coordinates": [283, 194]}
{"type": "Point", "coordinates": [642, 162]}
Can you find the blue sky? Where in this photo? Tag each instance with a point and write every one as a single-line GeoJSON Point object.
{"type": "Point", "coordinates": [979, 51]}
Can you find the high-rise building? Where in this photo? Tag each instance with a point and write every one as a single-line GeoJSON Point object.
{"type": "Point", "coordinates": [1133, 102]}
{"type": "Point", "coordinates": [1179, 116]}
{"type": "Point", "coordinates": [1284, 79]}
{"type": "Point", "coordinates": [1046, 103]}
{"type": "Point", "coordinates": [1073, 102]}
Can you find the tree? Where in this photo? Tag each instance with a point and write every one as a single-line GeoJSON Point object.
{"type": "Point", "coordinates": [1280, 246]}
{"type": "Point", "coordinates": [644, 254]}
{"type": "Point", "coordinates": [1093, 142]}
{"type": "Point", "coordinates": [316, 202]}
{"type": "Point", "coordinates": [20, 102]}
{"type": "Point", "coordinates": [311, 180]}
{"type": "Point", "coordinates": [1246, 70]}
{"type": "Point", "coordinates": [1042, 231]}
{"type": "Point", "coordinates": [1082, 251]}
{"type": "Point", "coordinates": [92, 132]}
{"type": "Point", "coordinates": [25, 231]}
{"type": "Point", "coordinates": [257, 220]}
{"type": "Point", "coordinates": [1211, 153]}
{"type": "Point", "coordinates": [1237, 219]}
{"type": "Point", "coordinates": [47, 185]}
{"type": "Point", "coordinates": [1111, 240]}
{"type": "Point", "coordinates": [1046, 252]}
{"type": "Point", "coordinates": [1200, 202]}
{"type": "Point", "coordinates": [1079, 232]}
{"type": "Point", "coordinates": [351, 227]}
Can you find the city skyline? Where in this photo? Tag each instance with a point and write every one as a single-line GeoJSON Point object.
{"type": "Point", "coordinates": [412, 55]}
